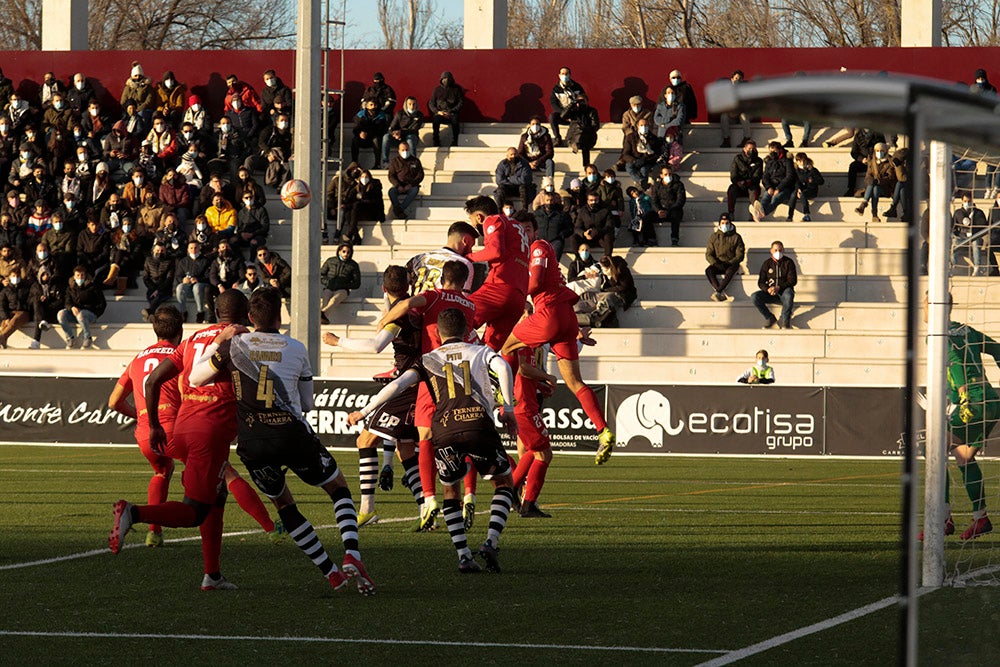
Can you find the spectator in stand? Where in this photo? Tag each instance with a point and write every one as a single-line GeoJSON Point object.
{"type": "Point", "coordinates": [669, 197]}
{"type": "Point", "coordinates": [554, 224]}
{"type": "Point", "coordinates": [274, 271]}
{"type": "Point", "coordinates": [215, 186]}
{"type": "Point", "coordinates": [616, 293]}
{"type": "Point", "coordinates": [536, 147]}
{"type": "Point", "coordinates": [641, 152]}
{"type": "Point", "coordinates": [51, 86]}
{"type": "Point", "coordinates": [245, 120]}
{"type": "Point", "coordinates": [114, 211]}
{"type": "Point", "coordinates": [591, 181]}
{"type": "Point", "coordinates": [584, 123]}
{"type": "Point", "coordinates": [405, 127]}
{"type": "Point", "coordinates": [170, 96]}
{"type": "Point", "coordinates": [162, 142]}
{"type": "Point", "coordinates": [19, 112]}
{"type": "Point", "coordinates": [191, 279]}
{"type": "Point", "coordinates": [134, 191]}
{"type": "Point", "coordinates": [40, 186]}
{"type": "Point", "coordinates": [126, 257]}
{"type": "Point", "coordinates": [610, 193]}
{"type": "Point", "coordinates": [6, 87]}
{"type": "Point", "coordinates": [176, 195]}
{"type": "Point", "coordinates": [83, 305]}
{"type": "Point", "coordinates": [196, 115]}
{"type": "Point", "coordinates": [673, 150]}
{"type": "Point", "coordinates": [15, 306]}
{"type": "Point", "coordinates": [513, 178]}
{"type": "Point", "coordinates": [576, 196]}
{"type": "Point", "coordinates": [981, 83]}
{"type": "Point", "coordinates": [158, 277]}
{"type": "Point", "coordinates": [230, 149]}
{"type": "Point", "coordinates": [58, 117]}
{"type": "Point", "coordinates": [778, 182]}
{"type": "Point", "coordinates": [120, 151]}
{"type": "Point", "coordinates": [901, 194]}
{"type": "Point", "coordinates": [245, 182]}
{"type": "Point", "coordinates": [275, 90]}
{"type": "Point", "coordinates": [171, 236]}
{"type": "Point", "coordinates": [967, 221]}
{"type": "Point", "coordinates": [100, 188]}
{"type": "Point", "coordinates": [861, 151]}
{"type": "Point", "coordinates": [202, 233]}
{"type": "Point", "coordinates": [135, 125]}
{"type": "Point", "coordinates": [405, 173]}
{"type": "Point", "coordinates": [808, 179]}
{"type": "Point", "coordinates": [593, 225]}
{"type": "Point", "coordinates": [189, 166]}
{"type": "Point", "coordinates": [776, 284]}
{"type": "Point", "coordinates": [542, 196]}
{"type": "Point", "coordinates": [276, 137]}
{"type": "Point", "coordinates": [684, 91]}
{"type": "Point", "coordinates": [9, 260]}
{"type": "Point", "coordinates": [221, 216]}
{"type": "Point", "coordinates": [244, 91]}
{"type": "Point", "coordinates": [138, 89]}
{"type": "Point", "coordinates": [339, 275]}
{"type": "Point", "coordinates": [880, 179]}
{"type": "Point", "coordinates": [382, 93]}
{"type": "Point", "coordinates": [22, 168]}
{"type": "Point", "coordinates": [630, 122]}
{"type": "Point", "coordinates": [725, 253]}
{"type": "Point", "coordinates": [253, 225]}
{"type": "Point", "coordinates": [94, 122]}
{"type": "Point", "coordinates": [225, 272]}
{"type": "Point", "coordinates": [149, 218]}
{"type": "Point", "coordinates": [370, 126]}
{"type": "Point", "coordinates": [760, 372]}
{"type": "Point", "coordinates": [641, 217]}
{"type": "Point", "coordinates": [36, 143]}
{"type": "Point", "coordinates": [39, 222]}
{"type": "Point", "coordinates": [366, 205]}
{"type": "Point", "coordinates": [583, 261]}
{"type": "Point", "coordinates": [250, 281]}
{"type": "Point", "coordinates": [8, 146]}
{"type": "Point", "coordinates": [11, 236]}
{"type": "Point", "coordinates": [727, 119]}
{"type": "Point", "coordinates": [565, 96]}
{"type": "Point", "coordinates": [670, 112]}
{"type": "Point", "coordinates": [340, 195]}
{"type": "Point", "coordinates": [46, 297]}
{"type": "Point", "coordinates": [744, 176]}
{"type": "Point", "coordinates": [445, 106]}
{"type": "Point", "coordinates": [61, 243]}
{"type": "Point", "coordinates": [79, 96]}
{"type": "Point", "coordinates": [42, 259]}
{"type": "Point", "coordinates": [70, 183]}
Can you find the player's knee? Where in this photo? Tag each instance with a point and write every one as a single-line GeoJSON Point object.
{"type": "Point", "coordinates": [201, 510]}
{"type": "Point", "coordinates": [544, 455]}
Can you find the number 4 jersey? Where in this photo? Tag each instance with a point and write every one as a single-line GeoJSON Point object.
{"type": "Point", "coordinates": [458, 376]}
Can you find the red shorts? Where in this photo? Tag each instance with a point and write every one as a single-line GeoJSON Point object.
{"type": "Point", "coordinates": [553, 324]}
{"type": "Point", "coordinates": [160, 463]}
{"type": "Point", "coordinates": [531, 431]}
{"type": "Point", "coordinates": [423, 415]}
{"type": "Point", "coordinates": [499, 307]}
{"type": "Point", "coordinates": [205, 455]}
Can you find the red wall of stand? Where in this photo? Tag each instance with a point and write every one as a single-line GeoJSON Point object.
{"type": "Point", "coordinates": [502, 85]}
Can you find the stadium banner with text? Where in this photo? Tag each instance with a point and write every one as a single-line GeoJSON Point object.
{"type": "Point", "coordinates": [648, 419]}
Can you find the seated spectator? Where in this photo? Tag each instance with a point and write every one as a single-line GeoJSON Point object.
{"type": "Point", "coordinates": [366, 205]}
{"type": "Point", "coordinates": [221, 216]}
{"type": "Point", "coordinates": [760, 372]}
{"type": "Point", "coordinates": [120, 152]}
{"type": "Point", "coordinates": [727, 119]}
{"type": "Point", "coordinates": [610, 192]}
{"type": "Point", "coordinates": [563, 99]}
{"type": "Point", "coordinates": [61, 243]}
{"type": "Point", "coordinates": [382, 93]}
{"type": "Point", "coordinates": [275, 93]}
{"type": "Point", "coordinates": [967, 221]}
{"type": "Point", "coordinates": [778, 182]}
{"type": "Point", "coordinates": [245, 182]}
{"type": "Point", "coordinates": [669, 196]}
{"type": "Point", "coordinates": [445, 106]}
{"type": "Point", "coordinates": [670, 112]}
{"type": "Point", "coordinates": [149, 217]}
{"type": "Point", "coordinates": [405, 173]}
{"type": "Point", "coordinates": [641, 217]}
{"type": "Point", "coordinates": [542, 195]}
{"type": "Point", "coordinates": [370, 125]}
{"type": "Point", "coordinates": [197, 117]}
{"type": "Point", "coordinates": [40, 186]}
{"type": "Point", "coordinates": [15, 306]}
{"type": "Point", "coordinates": [138, 90]}
{"type": "Point", "coordinates": [158, 277]}
{"type": "Point", "coordinates": [339, 275]}
{"type": "Point", "coordinates": [787, 130]}
{"type": "Point", "coordinates": [684, 91]}
{"type": "Point", "coordinates": [169, 98]}
{"type": "Point", "coordinates": [229, 149]}
{"type": "Point", "coordinates": [100, 189]}
{"type": "Point", "coordinates": [171, 236]}
{"type": "Point", "coordinates": [225, 272]}
{"type": "Point", "coordinates": [251, 281]}
{"type": "Point", "coordinates": [593, 225]}
{"type": "Point", "coordinates": [340, 195]}
{"type": "Point", "coordinates": [591, 181]}
{"type": "Point", "coordinates": [19, 112]}
{"type": "Point", "coordinates": [273, 141]}
{"type": "Point", "coordinates": [80, 95]}
{"type": "Point", "coordinates": [274, 271]}
{"type": "Point", "coordinates": [93, 248]}
{"type": "Point", "coordinates": [616, 293]}
{"type": "Point", "coordinates": [136, 126]}
{"type": "Point", "coordinates": [189, 168]}
{"type": "Point", "coordinates": [39, 222]}
{"type": "Point", "coordinates": [808, 179]}
{"type": "Point", "coordinates": [901, 193]}
{"type": "Point", "coordinates": [576, 196]}
{"type": "Point", "coordinates": [630, 121]}
{"type": "Point", "coordinates": [95, 123]}
{"type": "Point", "coordinates": [513, 179]}
{"type": "Point", "coordinates": [725, 253]}
{"type": "Point", "coordinates": [162, 141]}
{"type": "Point", "coordinates": [11, 237]}
{"type": "Point", "coordinates": [244, 92]}
{"type": "Point", "coordinates": [175, 195]}
{"type": "Point", "coordinates": [138, 185]}
{"type": "Point", "coordinates": [83, 305]}
{"type": "Point", "coordinates": [253, 224]}
{"type": "Point", "coordinates": [47, 297]}
{"type": "Point", "coordinates": [673, 150]}
{"type": "Point", "coordinates": [641, 152]}
{"type": "Point", "coordinates": [880, 179]}
{"type": "Point", "coordinates": [744, 176]}
{"type": "Point", "coordinates": [191, 279]}
{"type": "Point", "coordinates": [554, 224]}
{"type": "Point", "coordinates": [405, 127]}
{"type": "Point", "coordinates": [9, 261]}
{"type": "Point", "coordinates": [114, 210]}
{"type": "Point", "coordinates": [861, 150]}
{"type": "Point", "coordinates": [776, 284]}
{"type": "Point", "coordinates": [584, 123]}
{"type": "Point", "coordinates": [58, 117]}
{"type": "Point", "coordinates": [536, 148]}
{"type": "Point", "coordinates": [42, 259]}
{"type": "Point", "coordinates": [126, 257]}
{"type": "Point", "coordinates": [216, 185]}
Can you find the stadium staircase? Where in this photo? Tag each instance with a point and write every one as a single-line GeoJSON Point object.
{"type": "Point", "coordinates": [848, 326]}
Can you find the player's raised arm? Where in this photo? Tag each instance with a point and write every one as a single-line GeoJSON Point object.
{"type": "Point", "coordinates": [401, 308]}
{"type": "Point", "coordinates": [506, 379]}
{"type": "Point", "coordinates": [397, 386]}
{"type": "Point", "coordinates": [374, 345]}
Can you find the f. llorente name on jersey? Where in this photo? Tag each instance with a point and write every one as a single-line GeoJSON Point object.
{"type": "Point", "coordinates": [332, 406]}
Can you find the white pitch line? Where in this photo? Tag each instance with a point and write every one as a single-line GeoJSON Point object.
{"type": "Point", "coordinates": [349, 640]}
{"type": "Point", "coordinates": [715, 510]}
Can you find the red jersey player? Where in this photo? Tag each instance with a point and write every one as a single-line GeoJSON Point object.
{"type": "Point", "coordinates": [500, 300]}
{"type": "Point", "coordinates": [204, 428]}
{"type": "Point", "coordinates": [168, 326]}
{"type": "Point", "coordinates": [554, 322]}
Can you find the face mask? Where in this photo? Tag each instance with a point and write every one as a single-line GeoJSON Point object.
{"type": "Point", "coordinates": [585, 255]}
{"type": "Point", "coordinates": [126, 228]}
{"type": "Point", "coordinates": [43, 255]}
{"type": "Point", "coordinates": [726, 227]}
{"type": "Point", "coordinates": [25, 155]}
{"type": "Point", "coordinates": [137, 181]}
{"type": "Point", "coordinates": [967, 205]}
{"type": "Point", "coordinates": [404, 154]}
{"type": "Point", "coordinates": [20, 105]}
{"type": "Point", "coordinates": [29, 135]}
{"type": "Point", "coordinates": [224, 129]}
{"type": "Point", "coordinates": [282, 125]}
{"type": "Point", "coordinates": [14, 279]}
{"type": "Point", "coordinates": [643, 129]}
{"type": "Point", "coordinates": [196, 108]}
{"type": "Point", "coordinates": [666, 179]}
{"type": "Point", "coordinates": [3, 128]}
{"type": "Point", "coordinates": [761, 363]}
{"type": "Point", "coordinates": [78, 281]}
{"type": "Point", "coordinates": [669, 99]}
{"type": "Point", "coordinates": [236, 105]}
{"type": "Point", "coordinates": [365, 181]}
{"type": "Point", "coordinates": [248, 203]}
{"type": "Point", "coordinates": [270, 83]}
{"type": "Point", "coordinates": [201, 226]}
{"type": "Point", "coordinates": [777, 254]}
{"type": "Point", "coordinates": [508, 211]}
{"type": "Point", "coordinates": [636, 109]}
{"type": "Point", "coordinates": [169, 83]}
{"type": "Point", "coordinates": [880, 155]}
{"type": "Point", "coordinates": [591, 178]}
{"type": "Point", "coordinates": [69, 205]}
{"type": "Point", "coordinates": [773, 154]}
{"type": "Point", "coordinates": [158, 127]}
{"type": "Point", "coordinates": [93, 112]}
{"type": "Point", "coordinates": [57, 105]}
{"type": "Point", "coordinates": [79, 85]}
{"type": "Point", "coordinates": [13, 202]}
{"type": "Point", "coordinates": [609, 180]}
{"type": "Point", "coordinates": [533, 129]}
{"type": "Point", "coordinates": [193, 255]}
{"type": "Point", "coordinates": [675, 80]}
{"type": "Point", "coordinates": [550, 189]}
{"type": "Point", "coordinates": [81, 157]}
{"type": "Point", "coordinates": [564, 78]}
{"type": "Point", "coordinates": [57, 226]}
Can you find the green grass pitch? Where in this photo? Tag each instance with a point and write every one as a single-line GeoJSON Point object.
{"type": "Point", "coordinates": [695, 555]}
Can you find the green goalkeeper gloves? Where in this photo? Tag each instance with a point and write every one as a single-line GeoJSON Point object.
{"type": "Point", "coordinates": [964, 412]}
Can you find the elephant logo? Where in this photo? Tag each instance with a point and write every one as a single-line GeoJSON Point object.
{"type": "Point", "coordinates": [645, 415]}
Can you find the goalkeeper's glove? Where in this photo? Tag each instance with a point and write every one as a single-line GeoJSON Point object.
{"type": "Point", "coordinates": [964, 412]}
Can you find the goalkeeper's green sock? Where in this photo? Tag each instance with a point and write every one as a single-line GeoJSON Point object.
{"type": "Point", "coordinates": [972, 475]}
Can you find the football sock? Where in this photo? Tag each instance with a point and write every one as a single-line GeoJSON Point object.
{"type": "Point", "coordinates": [306, 539]}
{"type": "Point", "coordinates": [588, 401]}
{"type": "Point", "coordinates": [347, 520]}
{"type": "Point", "coordinates": [456, 527]}
{"type": "Point", "coordinates": [972, 475]}
{"type": "Point", "coordinates": [522, 468]}
{"type": "Point", "coordinates": [503, 497]}
{"type": "Point", "coordinates": [367, 477]}
{"type": "Point", "coordinates": [471, 477]}
{"type": "Point", "coordinates": [411, 478]}
{"type": "Point", "coordinates": [211, 539]}
{"type": "Point", "coordinates": [249, 502]}
{"type": "Point", "coordinates": [173, 514]}
{"type": "Point", "coordinates": [536, 477]}
{"type": "Point", "coordinates": [156, 494]}
{"type": "Point", "coordinates": [427, 467]}
{"type": "Point", "coordinates": [388, 453]}
{"type": "Point", "coordinates": [947, 487]}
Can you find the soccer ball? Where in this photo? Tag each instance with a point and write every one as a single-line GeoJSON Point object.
{"type": "Point", "coordinates": [295, 194]}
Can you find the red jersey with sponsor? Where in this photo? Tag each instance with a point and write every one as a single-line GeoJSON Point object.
{"type": "Point", "coordinates": [133, 381]}
{"type": "Point", "coordinates": [545, 280]}
{"type": "Point", "coordinates": [439, 300]}
{"type": "Point", "coordinates": [506, 251]}
{"type": "Point", "coordinates": [211, 406]}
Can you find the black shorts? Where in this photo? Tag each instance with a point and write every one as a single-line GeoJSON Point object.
{"type": "Point", "coordinates": [483, 448]}
{"type": "Point", "coordinates": [394, 420]}
{"type": "Point", "coordinates": [298, 450]}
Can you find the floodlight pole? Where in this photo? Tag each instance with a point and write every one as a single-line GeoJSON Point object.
{"type": "Point", "coordinates": [308, 151]}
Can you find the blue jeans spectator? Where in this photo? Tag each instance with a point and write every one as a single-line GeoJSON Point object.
{"type": "Point", "coordinates": [549, 167]}
{"type": "Point", "coordinates": [185, 291]}
{"type": "Point", "coordinates": [399, 206]}
{"type": "Point", "coordinates": [806, 131]}
{"type": "Point", "coordinates": [68, 322]}
{"type": "Point", "coordinates": [786, 298]}
{"type": "Point", "coordinates": [770, 202]}
{"type": "Point", "coordinates": [390, 145]}
{"type": "Point", "coordinates": [872, 193]}
{"type": "Point", "coordinates": [640, 170]}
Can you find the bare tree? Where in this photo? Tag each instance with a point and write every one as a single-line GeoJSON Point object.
{"type": "Point", "coordinates": [413, 24]}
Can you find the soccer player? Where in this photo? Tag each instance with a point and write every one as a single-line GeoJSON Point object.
{"type": "Point", "coordinates": [203, 428]}
{"type": "Point", "coordinates": [273, 384]}
{"type": "Point", "coordinates": [554, 322]}
{"type": "Point", "coordinates": [428, 305]}
{"type": "Point", "coordinates": [457, 373]}
{"type": "Point", "coordinates": [425, 269]}
{"type": "Point", "coordinates": [533, 444]}
{"type": "Point", "coordinates": [168, 326]}
{"type": "Point", "coordinates": [394, 421]}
